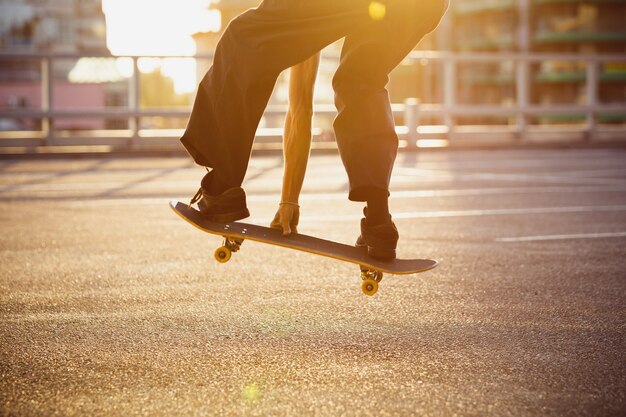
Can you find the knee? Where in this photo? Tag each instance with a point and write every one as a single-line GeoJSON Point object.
{"type": "Point", "coordinates": [246, 34]}
{"type": "Point", "coordinates": [359, 83]}
{"type": "Point", "coordinates": [235, 32]}
{"type": "Point", "coordinates": [250, 39]}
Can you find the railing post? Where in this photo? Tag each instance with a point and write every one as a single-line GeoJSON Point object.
{"type": "Point", "coordinates": [592, 98]}
{"type": "Point", "coordinates": [523, 93]}
{"type": "Point", "coordinates": [134, 98]}
{"type": "Point", "coordinates": [449, 91]}
{"type": "Point", "coordinates": [47, 91]}
{"type": "Point", "coordinates": [411, 120]}
{"type": "Point", "coordinates": [522, 78]}
{"type": "Point", "coordinates": [524, 25]}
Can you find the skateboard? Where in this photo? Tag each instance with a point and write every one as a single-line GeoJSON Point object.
{"type": "Point", "coordinates": [235, 233]}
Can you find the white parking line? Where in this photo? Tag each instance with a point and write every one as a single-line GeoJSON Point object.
{"type": "Point", "coordinates": [554, 178]}
{"type": "Point", "coordinates": [560, 237]}
{"type": "Point", "coordinates": [408, 194]}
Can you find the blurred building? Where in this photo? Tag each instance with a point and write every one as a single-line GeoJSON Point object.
{"type": "Point", "coordinates": [53, 27]}
{"type": "Point", "coordinates": [540, 26]}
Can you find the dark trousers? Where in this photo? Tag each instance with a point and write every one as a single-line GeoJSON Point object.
{"type": "Point", "coordinates": [258, 45]}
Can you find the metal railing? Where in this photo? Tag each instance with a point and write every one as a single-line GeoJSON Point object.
{"type": "Point", "coordinates": [411, 111]}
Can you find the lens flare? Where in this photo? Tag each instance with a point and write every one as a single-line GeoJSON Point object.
{"type": "Point", "coordinates": [250, 393]}
{"type": "Point", "coordinates": [377, 10]}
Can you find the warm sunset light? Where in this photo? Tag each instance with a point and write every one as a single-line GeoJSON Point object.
{"type": "Point", "coordinates": [312, 207]}
{"type": "Point", "coordinates": [377, 10]}
{"type": "Point", "coordinates": [160, 27]}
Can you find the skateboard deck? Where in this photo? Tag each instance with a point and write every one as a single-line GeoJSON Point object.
{"type": "Point", "coordinates": [235, 233]}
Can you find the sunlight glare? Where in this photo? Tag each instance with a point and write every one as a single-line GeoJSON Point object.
{"type": "Point", "coordinates": [159, 27]}
{"type": "Point", "coordinates": [124, 66]}
{"type": "Point", "coordinates": [172, 67]}
{"type": "Point", "coordinates": [377, 10]}
{"type": "Point", "coordinates": [148, 65]}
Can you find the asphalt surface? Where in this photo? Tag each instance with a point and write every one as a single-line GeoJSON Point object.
{"type": "Point", "coordinates": [110, 305]}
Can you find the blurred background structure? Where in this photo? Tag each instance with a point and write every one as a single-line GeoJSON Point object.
{"type": "Point", "coordinates": [549, 27]}
{"type": "Point", "coordinates": [105, 75]}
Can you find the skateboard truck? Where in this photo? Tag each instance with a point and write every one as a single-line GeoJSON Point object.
{"type": "Point", "coordinates": [224, 252]}
{"type": "Point", "coordinates": [370, 278]}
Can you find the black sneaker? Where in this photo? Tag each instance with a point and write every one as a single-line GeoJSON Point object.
{"type": "Point", "coordinates": [380, 240]}
{"type": "Point", "coordinates": [223, 208]}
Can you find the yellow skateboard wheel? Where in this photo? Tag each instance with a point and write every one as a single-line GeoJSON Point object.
{"type": "Point", "coordinates": [222, 254]}
{"type": "Point", "coordinates": [369, 286]}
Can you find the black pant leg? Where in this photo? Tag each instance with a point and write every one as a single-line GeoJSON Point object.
{"type": "Point", "coordinates": [365, 127]}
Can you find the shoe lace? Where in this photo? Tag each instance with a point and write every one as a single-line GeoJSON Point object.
{"type": "Point", "coordinates": [195, 198]}
{"type": "Point", "coordinates": [198, 194]}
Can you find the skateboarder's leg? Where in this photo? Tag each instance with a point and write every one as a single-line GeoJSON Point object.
{"type": "Point", "coordinates": [252, 52]}
{"type": "Point", "coordinates": [365, 126]}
